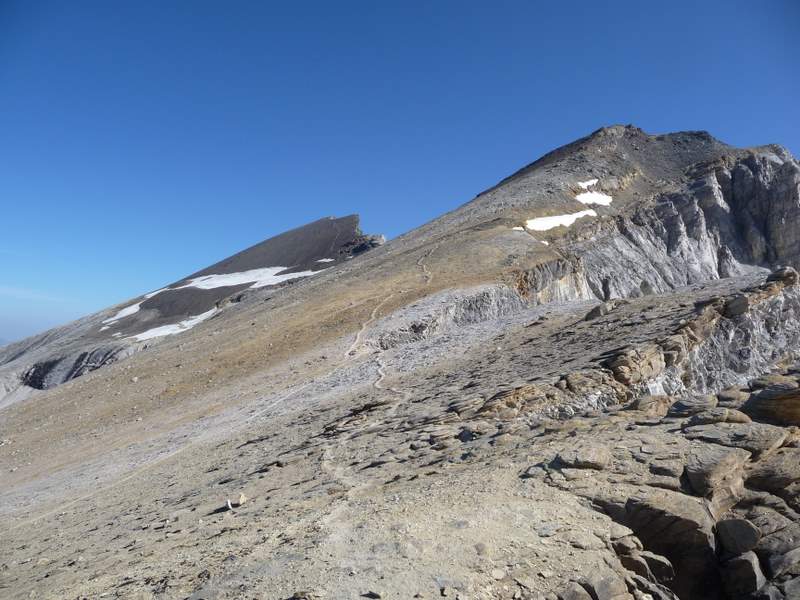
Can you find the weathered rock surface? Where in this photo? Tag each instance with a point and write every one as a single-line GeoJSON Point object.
{"type": "Point", "coordinates": [737, 536]}
{"type": "Point", "coordinates": [775, 404]}
{"type": "Point", "coordinates": [777, 472]}
{"type": "Point", "coordinates": [742, 575]}
{"type": "Point", "coordinates": [757, 438]}
{"type": "Point", "coordinates": [711, 467]}
{"type": "Point", "coordinates": [586, 457]}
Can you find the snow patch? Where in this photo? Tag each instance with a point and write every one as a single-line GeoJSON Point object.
{"type": "Point", "coordinates": [518, 228]}
{"type": "Point", "coordinates": [594, 198]}
{"type": "Point", "coordinates": [545, 223]}
{"type": "Point", "coordinates": [326, 260]}
{"type": "Point", "coordinates": [104, 327]}
{"type": "Point", "coordinates": [129, 310]}
{"type": "Point", "coordinates": [178, 327]}
{"type": "Point", "coordinates": [257, 277]}
{"type": "Point", "coordinates": [125, 312]}
{"type": "Point", "coordinates": [590, 197]}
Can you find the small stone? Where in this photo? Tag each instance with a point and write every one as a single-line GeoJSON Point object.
{"type": "Point", "coordinates": [742, 575]}
{"type": "Point", "coordinates": [659, 566]}
{"type": "Point", "coordinates": [574, 591]}
{"type": "Point", "coordinates": [787, 275]}
{"type": "Point", "coordinates": [652, 405]}
{"type": "Point", "coordinates": [736, 306]}
{"type": "Point", "coordinates": [732, 397]}
{"type": "Point", "coordinates": [686, 407]}
{"type": "Point", "coordinates": [784, 563]}
{"type": "Point", "coordinates": [586, 457]}
{"type": "Point", "coordinates": [718, 415]}
{"type": "Point", "coordinates": [606, 585]}
{"type": "Point", "coordinates": [738, 536]}
{"type": "Point", "coordinates": [627, 545]}
{"type": "Point", "coordinates": [498, 574]}
{"type": "Point", "coordinates": [546, 529]}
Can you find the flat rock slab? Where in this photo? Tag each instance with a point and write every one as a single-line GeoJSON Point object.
{"type": "Point", "coordinates": [710, 467]}
{"type": "Point", "coordinates": [652, 405]}
{"type": "Point", "coordinates": [782, 541]}
{"type": "Point", "coordinates": [733, 397]}
{"type": "Point", "coordinates": [757, 438]}
{"type": "Point", "coordinates": [777, 471]}
{"type": "Point", "coordinates": [774, 405]}
{"type": "Point", "coordinates": [586, 457]}
{"type": "Point", "coordinates": [718, 415]}
{"type": "Point", "coordinates": [774, 379]}
{"type": "Point", "coordinates": [687, 407]}
{"type": "Point", "coordinates": [738, 536]}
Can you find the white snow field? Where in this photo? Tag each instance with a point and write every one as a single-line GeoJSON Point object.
{"type": "Point", "coordinates": [178, 327]}
{"type": "Point", "coordinates": [258, 278]}
{"type": "Point", "coordinates": [130, 310]}
{"type": "Point", "coordinates": [545, 223]}
{"type": "Point", "coordinates": [592, 197]}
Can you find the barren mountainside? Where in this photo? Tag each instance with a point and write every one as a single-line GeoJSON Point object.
{"type": "Point", "coordinates": [583, 384]}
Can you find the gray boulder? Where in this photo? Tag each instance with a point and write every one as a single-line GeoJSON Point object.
{"type": "Point", "coordinates": [737, 536]}
{"type": "Point", "coordinates": [742, 575]}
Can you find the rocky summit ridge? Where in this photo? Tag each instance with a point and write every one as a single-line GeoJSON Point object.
{"type": "Point", "coordinates": [583, 384]}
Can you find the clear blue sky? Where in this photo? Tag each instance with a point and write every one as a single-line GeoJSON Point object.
{"type": "Point", "coordinates": [143, 140]}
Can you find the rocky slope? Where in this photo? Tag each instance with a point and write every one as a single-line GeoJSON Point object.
{"type": "Point", "coordinates": [582, 384]}
{"type": "Point", "coordinates": [47, 360]}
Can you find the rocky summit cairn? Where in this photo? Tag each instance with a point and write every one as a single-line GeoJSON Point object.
{"type": "Point", "coordinates": [583, 384]}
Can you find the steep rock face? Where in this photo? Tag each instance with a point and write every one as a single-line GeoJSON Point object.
{"type": "Point", "coordinates": [731, 218]}
{"type": "Point", "coordinates": [50, 373]}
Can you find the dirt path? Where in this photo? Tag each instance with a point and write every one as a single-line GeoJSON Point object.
{"type": "Point", "coordinates": [426, 272]}
{"type": "Point", "coordinates": [373, 317]}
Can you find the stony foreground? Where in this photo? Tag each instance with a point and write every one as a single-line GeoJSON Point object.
{"type": "Point", "coordinates": [409, 496]}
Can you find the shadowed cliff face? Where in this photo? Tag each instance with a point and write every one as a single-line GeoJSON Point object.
{"type": "Point", "coordinates": [582, 384]}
